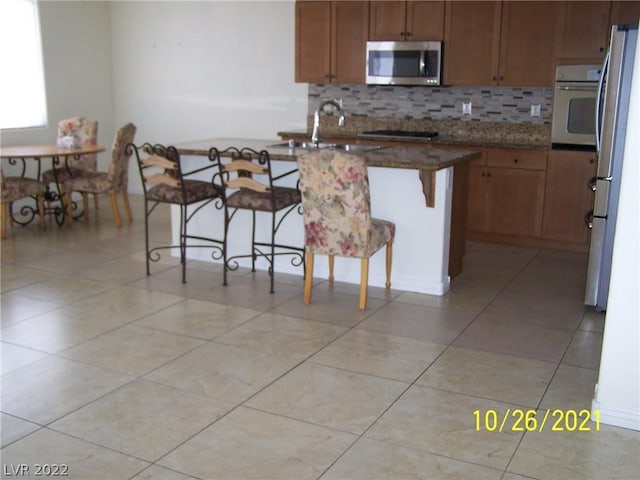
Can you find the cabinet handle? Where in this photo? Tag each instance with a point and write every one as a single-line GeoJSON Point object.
{"type": "Point", "coordinates": [494, 78]}
{"type": "Point", "coordinates": [408, 34]}
{"type": "Point", "coordinates": [592, 183]}
{"type": "Point", "coordinates": [515, 160]}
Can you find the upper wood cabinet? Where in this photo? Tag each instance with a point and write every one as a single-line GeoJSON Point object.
{"type": "Point", "coordinates": [331, 41]}
{"type": "Point", "coordinates": [526, 44]}
{"type": "Point", "coordinates": [625, 12]}
{"type": "Point", "coordinates": [499, 43]}
{"type": "Point", "coordinates": [406, 21]}
{"type": "Point", "coordinates": [582, 32]}
{"type": "Point", "coordinates": [472, 43]}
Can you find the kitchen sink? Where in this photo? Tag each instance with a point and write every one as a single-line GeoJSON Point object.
{"type": "Point", "coordinates": [347, 147]}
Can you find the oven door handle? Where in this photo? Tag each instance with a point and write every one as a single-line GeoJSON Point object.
{"type": "Point", "coordinates": [581, 88]}
{"type": "Point", "coordinates": [605, 66]}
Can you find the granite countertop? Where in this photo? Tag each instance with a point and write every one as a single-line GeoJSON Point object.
{"type": "Point", "coordinates": [450, 132]}
{"type": "Point", "coordinates": [416, 158]}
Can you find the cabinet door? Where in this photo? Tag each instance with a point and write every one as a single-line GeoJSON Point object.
{"type": "Point", "coordinates": [515, 205]}
{"type": "Point", "coordinates": [472, 41]}
{"type": "Point", "coordinates": [583, 31]}
{"type": "Point", "coordinates": [477, 199]}
{"type": "Point", "coordinates": [568, 198]}
{"type": "Point", "coordinates": [387, 21]}
{"type": "Point", "coordinates": [349, 32]}
{"type": "Point", "coordinates": [425, 20]}
{"type": "Point", "coordinates": [624, 11]}
{"type": "Point", "coordinates": [527, 44]}
{"type": "Point", "coordinates": [313, 40]}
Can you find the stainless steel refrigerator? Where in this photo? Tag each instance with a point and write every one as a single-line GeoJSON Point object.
{"type": "Point", "coordinates": [611, 131]}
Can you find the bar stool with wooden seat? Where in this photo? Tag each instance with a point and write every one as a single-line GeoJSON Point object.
{"type": "Point", "coordinates": [248, 183]}
{"type": "Point", "coordinates": [336, 206]}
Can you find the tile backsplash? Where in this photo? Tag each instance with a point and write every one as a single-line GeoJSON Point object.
{"type": "Point", "coordinates": [488, 104]}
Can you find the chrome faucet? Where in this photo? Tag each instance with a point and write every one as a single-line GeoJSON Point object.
{"type": "Point", "coordinates": [315, 135]}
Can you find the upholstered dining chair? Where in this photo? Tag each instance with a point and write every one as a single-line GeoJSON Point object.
{"type": "Point", "coordinates": [114, 181]}
{"type": "Point", "coordinates": [15, 188]}
{"type": "Point", "coordinates": [248, 183]}
{"type": "Point", "coordinates": [165, 181]}
{"type": "Point", "coordinates": [336, 206]}
{"type": "Point", "coordinates": [84, 132]}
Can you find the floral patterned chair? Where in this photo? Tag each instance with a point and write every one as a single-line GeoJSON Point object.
{"type": "Point", "coordinates": [15, 188]}
{"type": "Point", "coordinates": [337, 214]}
{"type": "Point", "coordinates": [248, 183]}
{"type": "Point", "coordinates": [112, 182]}
{"type": "Point", "coordinates": [84, 133]}
{"type": "Point", "coordinates": [164, 181]}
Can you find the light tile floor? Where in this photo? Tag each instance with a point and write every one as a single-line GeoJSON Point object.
{"type": "Point", "coordinates": [116, 375]}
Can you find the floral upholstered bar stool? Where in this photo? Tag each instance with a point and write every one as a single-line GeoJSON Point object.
{"type": "Point", "coordinates": [336, 206]}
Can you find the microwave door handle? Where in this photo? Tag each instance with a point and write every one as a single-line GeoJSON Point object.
{"type": "Point", "coordinates": [423, 64]}
{"type": "Point", "coordinates": [600, 98]}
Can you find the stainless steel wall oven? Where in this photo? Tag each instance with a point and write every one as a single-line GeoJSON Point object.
{"type": "Point", "coordinates": [574, 106]}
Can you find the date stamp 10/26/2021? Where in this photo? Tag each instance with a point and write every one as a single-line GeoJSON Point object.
{"type": "Point", "coordinates": [41, 470]}
{"type": "Point", "coordinates": [520, 420]}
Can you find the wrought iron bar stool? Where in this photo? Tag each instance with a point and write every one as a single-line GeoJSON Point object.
{"type": "Point", "coordinates": [164, 181]}
{"type": "Point", "coordinates": [248, 183]}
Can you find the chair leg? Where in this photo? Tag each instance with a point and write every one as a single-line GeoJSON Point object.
{"type": "Point", "coordinates": [183, 241]}
{"type": "Point", "coordinates": [331, 262]}
{"type": "Point", "coordinates": [116, 211]}
{"type": "Point", "coordinates": [308, 278]}
{"type": "Point", "coordinates": [225, 251]}
{"type": "Point", "coordinates": [146, 233]}
{"type": "Point", "coordinates": [127, 205]}
{"type": "Point", "coordinates": [253, 242]}
{"type": "Point", "coordinates": [4, 220]}
{"type": "Point", "coordinates": [85, 206]}
{"type": "Point", "coordinates": [67, 204]}
{"type": "Point", "coordinates": [364, 282]}
{"type": "Point", "coordinates": [40, 200]}
{"type": "Point", "coordinates": [388, 263]}
{"type": "Point", "coordinates": [273, 249]}
{"type": "Point", "coordinates": [96, 203]}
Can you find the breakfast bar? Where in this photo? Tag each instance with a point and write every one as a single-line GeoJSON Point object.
{"type": "Point", "coordinates": [422, 190]}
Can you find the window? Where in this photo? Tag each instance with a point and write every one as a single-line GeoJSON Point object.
{"type": "Point", "coordinates": [22, 89]}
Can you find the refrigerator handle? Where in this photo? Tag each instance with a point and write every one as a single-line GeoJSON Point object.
{"type": "Point", "coordinates": [588, 219]}
{"type": "Point", "coordinates": [605, 66]}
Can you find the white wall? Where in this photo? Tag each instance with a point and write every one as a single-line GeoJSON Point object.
{"type": "Point", "coordinates": [618, 391]}
{"type": "Point", "coordinates": [198, 70]}
{"type": "Point", "coordinates": [76, 43]}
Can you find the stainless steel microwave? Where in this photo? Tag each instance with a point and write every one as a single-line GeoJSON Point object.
{"type": "Point", "coordinates": [404, 63]}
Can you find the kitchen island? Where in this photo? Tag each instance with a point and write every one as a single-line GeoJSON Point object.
{"type": "Point", "coordinates": [422, 190]}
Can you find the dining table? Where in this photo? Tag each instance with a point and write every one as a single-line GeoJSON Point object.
{"type": "Point", "coordinates": [20, 158]}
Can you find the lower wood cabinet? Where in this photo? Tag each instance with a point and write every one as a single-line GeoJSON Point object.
{"type": "Point", "coordinates": [568, 199]}
{"type": "Point", "coordinates": [506, 193]}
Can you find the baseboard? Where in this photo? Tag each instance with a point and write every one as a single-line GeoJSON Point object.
{"type": "Point", "coordinates": [616, 417]}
